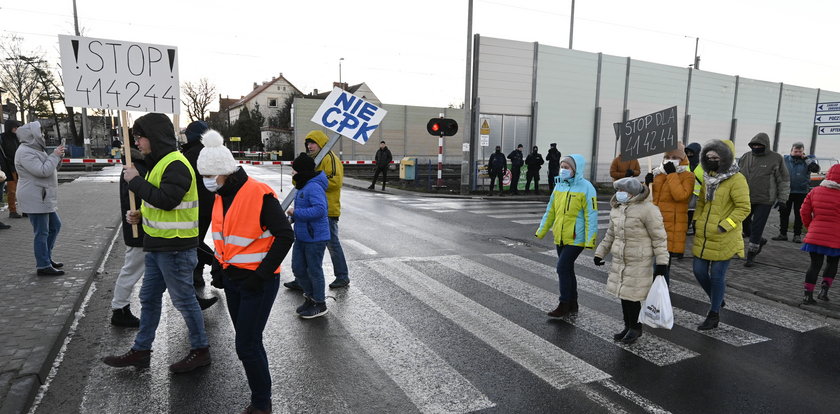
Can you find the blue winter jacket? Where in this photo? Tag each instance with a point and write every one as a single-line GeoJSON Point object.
{"type": "Point", "coordinates": [800, 173]}
{"type": "Point", "coordinates": [310, 214]}
{"type": "Point", "coordinates": [572, 211]}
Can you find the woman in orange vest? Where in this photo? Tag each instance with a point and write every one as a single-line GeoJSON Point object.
{"type": "Point", "coordinates": [251, 236]}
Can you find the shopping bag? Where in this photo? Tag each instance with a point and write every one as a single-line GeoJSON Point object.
{"type": "Point", "coordinates": [656, 309]}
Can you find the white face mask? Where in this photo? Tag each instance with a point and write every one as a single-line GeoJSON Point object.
{"type": "Point", "coordinates": [622, 196]}
{"type": "Point", "coordinates": [210, 184]}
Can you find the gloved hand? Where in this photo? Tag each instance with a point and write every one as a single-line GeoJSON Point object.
{"type": "Point", "coordinates": [629, 173]}
{"type": "Point", "coordinates": [669, 167]}
{"type": "Point", "coordinates": [660, 270]}
{"type": "Point", "coordinates": [217, 273]}
{"type": "Point", "coordinates": [779, 205]}
{"type": "Point", "coordinates": [648, 178]}
{"type": "Point", "coordinates": [254, 283]}
{"type": "Point", "coordinates": [598, 261]}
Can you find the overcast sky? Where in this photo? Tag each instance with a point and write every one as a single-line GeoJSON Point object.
{"type": "Point", "coordinates": [413, 52]}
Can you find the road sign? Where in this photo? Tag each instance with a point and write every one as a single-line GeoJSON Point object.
{"type": "Point", "coordinates": [484, 133]}
{"type": "Point", "coordinates": [114, 74]}
{"type": "Point", "coordinates": [827, 118]}
{"type": "Point", "coordinates": [235, 139]}
{"type": "Point", "coordinates": [828, 107]}
{"type": "Point", "coordinates": [349, 115]}
{"type": "Point", "coordinates": [648, 135]}
{"type": "Point", "coordinates": [828, 130]}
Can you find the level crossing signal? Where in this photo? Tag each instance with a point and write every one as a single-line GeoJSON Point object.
{"type": "Point", "coordinates": [442, 127]}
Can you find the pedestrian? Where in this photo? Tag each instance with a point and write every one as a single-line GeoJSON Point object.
{"type": "Point", "coordinates": [169, 213]}
{"type": "Point", "coordinates": [769, 183]}
{"type": "Point", "coordinates": [692, 152]}
{"type": "Point", "coordinates": [191, 150]}
{"type": "Point", "coordinates": [334, 170]}
{"type": "Point", "coordinates": [516, 162]}
{"type": "Point", "coordinates": [252, 237]}
{"type": "Point", "coordinates": [534, 161]}
{"type": "Point", "coordinates": [673, 185]}
{"type": "Point", "coordinates": [572, 216]}
{"type": "Point", "coordinates": [799, 168]}
{"type": "Point", "coordinates": [636, 236]}
{"type": "Point", "coordinates": [10, 143]}
{"type": "Point", "coordinates": [821, 216]}
{"type": "Point", "coordinates": [116, 148]}
{"type": "Point", "coordinates": [312, 232]}
{"type": "Point", "coordinates": [497, 166]}
{"type": "Point", "coordinates": [38, 194]}
{"type": "Point", "coordinates": [383, 160]}
{"type": "Point", "coordinates": [5, 172]}
{"type": "Point", "coordinates": [620, 168]}
{"type": "Point", "coordinates": [553, 158]}
{"type": "Point", "coordinates": [723, 204]}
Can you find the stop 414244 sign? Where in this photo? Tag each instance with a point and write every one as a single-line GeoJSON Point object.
{"type": "Point", "coordinates": [648, 135]}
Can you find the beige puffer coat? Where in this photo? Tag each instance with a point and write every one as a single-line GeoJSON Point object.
{"type": "Point", "coordinates": [636, 235]}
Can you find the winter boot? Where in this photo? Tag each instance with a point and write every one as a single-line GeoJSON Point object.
{"type": "Point", "coordinates": [123, 317]}
{"type": "Point", "coordinates": [750, 259]}
{"type": "Point", "coordinates": [809, 298]}
{"type": "Point", "coordinates": [561, 310]}
{"type": "Point", "coordinates": [633, 334]}
{"type": "Point", "coordinates": [823, 295]}
{"type": "Point", "coordinates": [711, 322]}
{"type": "Point", "coordinates": [781, 237]}
{"type": "Point", "coordinates": [206, 303]}
{"type": "Point", "coordinates": [139, 359]}
{"type": "Point", "coordinates": [198, 357]}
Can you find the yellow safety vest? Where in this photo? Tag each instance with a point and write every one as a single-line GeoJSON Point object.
{"type": "Point", "coordinates": [181, 221]}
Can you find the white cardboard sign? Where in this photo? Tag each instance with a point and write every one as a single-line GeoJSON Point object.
{"type": "Point", "coordinates": [115, 74]}
{"type": "Point", "coordinates": [349, 115]}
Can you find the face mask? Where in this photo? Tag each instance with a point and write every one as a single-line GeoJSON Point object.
{"type": "Point", "coordinates": [565, 174]}
{"type": "Point", "coordinates": [713, 165]}
{"type": "Point", "coordinates": [210, 184]}
{"type": "Point", "coordinates": [758, 150]}
{"type": "Point", "coordinates": [622, 196]}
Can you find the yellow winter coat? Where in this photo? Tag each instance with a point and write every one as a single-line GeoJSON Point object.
{"type": "Point", "coordinates": [671, 193]}
{"type": "Point", "coordinates": [333, 169]}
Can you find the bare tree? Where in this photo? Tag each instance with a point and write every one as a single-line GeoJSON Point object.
{"type": "Point", "coordinates": [17, 75]}
{"type": "Point", "coordinates": [198, 97]}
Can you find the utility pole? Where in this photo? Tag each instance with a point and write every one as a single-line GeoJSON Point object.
{"type": "Point", "coordinates": [572, 26]}
{"type": "Point", "coordinates": [84, 110]}
{"type": "Point", "coordinates": [466, 165]}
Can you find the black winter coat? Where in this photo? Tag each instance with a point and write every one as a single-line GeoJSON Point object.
{"type": "Point", "coordinates": [534, 161]}
{"type": "Point", "coordinates": [497, 163]}
{"type": "Point", "coordinates": [516, 158]}
{"type": "Point", "coordinates": [191, 150]}
{"type": "Point", "coordinates": [553, 157]}
{"type": "Point", "coordinates": [140, 164]}
{"type": "Point", "coordinates": [383, 158]}
{"type": "Point", "coordinates": [10, 144]}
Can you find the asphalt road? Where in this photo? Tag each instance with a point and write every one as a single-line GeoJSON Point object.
{"type": "Point", "coordinates": [446, 313]}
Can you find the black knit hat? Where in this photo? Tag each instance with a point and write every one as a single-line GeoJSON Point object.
{"type": "Point", "coordinates": [303, 163]}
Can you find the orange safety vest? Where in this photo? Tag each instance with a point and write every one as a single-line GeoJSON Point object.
{"type": "Point", "coordinates": [238, 237]}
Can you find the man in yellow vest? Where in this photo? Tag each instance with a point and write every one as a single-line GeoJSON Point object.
{"type": "Point", "coordinates": [169, 214]}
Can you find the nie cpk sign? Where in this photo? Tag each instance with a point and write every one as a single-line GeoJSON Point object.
{"type": "Point", "coordinates": [114, 74]}
{"type": "Point", "coordinates": [349, 115]}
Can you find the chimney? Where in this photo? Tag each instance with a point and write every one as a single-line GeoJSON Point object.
{"type": "Point", "coordinates": [281, 74]}
{"type": "Point", "coordinates": [314, 91]}
{"type": "Point", "coordinates": [256, 86]}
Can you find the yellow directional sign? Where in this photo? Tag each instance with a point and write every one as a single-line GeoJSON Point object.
{"type": "Point", "coordinates": [234, 139]}
{"type": "Point", "coordinates": [485, 127]}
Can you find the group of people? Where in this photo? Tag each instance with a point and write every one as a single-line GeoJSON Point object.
{"type": "Point", "coordinates": [701, 191]}
{"type": "Point", "coordinates": [497, 167]}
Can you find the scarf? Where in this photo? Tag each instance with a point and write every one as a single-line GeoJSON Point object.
{"type": "Point", "coordinates": [660, 170]}
{"type": "Point", "coordinates": [303, 177]}
{"type": "Point", "coordinates": [830, 184]}
{"type": "Point", "coordinates": [713, 181]}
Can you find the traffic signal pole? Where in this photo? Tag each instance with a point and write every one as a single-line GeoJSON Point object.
{"type": "Point", "coordinates": [440, 183]}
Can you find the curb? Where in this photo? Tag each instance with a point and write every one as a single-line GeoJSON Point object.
{"type": "Point", "coordinates": [786, 300]}
{"type": "Point", "coordinates": [24, 389]}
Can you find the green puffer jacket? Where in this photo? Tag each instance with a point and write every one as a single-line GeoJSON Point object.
{"type": "Point", "coordinates": [727, 209]}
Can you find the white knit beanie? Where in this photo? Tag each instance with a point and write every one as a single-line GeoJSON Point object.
{"type": "Point", "coordinates": [214, 158]}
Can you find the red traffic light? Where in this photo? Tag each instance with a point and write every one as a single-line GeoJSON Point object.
{"type": "Point", "coordinates": [442, 127]}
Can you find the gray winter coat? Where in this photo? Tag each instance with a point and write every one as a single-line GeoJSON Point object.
{"type": "Point", "coordinates": [37, 189]}
{"type": "Point", "coordinates": [766, 173]}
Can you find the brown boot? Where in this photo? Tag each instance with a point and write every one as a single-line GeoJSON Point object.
{"type": "Point", "coordinates": [563, 309]}
{"type": "Point", "coordinates": [196, 358]}
{"type": "Point", "coordinates": [139, 359]}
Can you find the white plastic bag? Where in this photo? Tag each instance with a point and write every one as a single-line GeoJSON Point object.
{"type": "Point", "coordinates": [656, 309]}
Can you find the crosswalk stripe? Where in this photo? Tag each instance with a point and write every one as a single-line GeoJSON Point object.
{"type": "Point", "coordinates": [646, 404]}
{"type": "Point", "coordinates": [510, 216]}
{"type": "Point", "coordinates": [650, 348]}
{"type": "Point", "coordinates": [531, 221]}
{"type": "Point", "coordinates": [358, 246]}
{"type": "Point", "coordinates": [444, 211]}
{"type": "Point", "coordinates": [757, 310]}
{"type": "Point", "coordinates": [544, 359]}
{"type": "Point", "coordinates": [427, 380]}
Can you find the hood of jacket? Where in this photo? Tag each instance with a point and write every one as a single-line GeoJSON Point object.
{"type": "Point", "coordinates": [833, 173]}
{"type": "Point", "coordinates": [580, 167]}
{"type": "Point", "coordinates": [11, 124]}
{"type": "Point", "coordinates": [726, 151]}
{"type": "Point", "coordinates": [30, 135]}
{"type": "Point", "coordinates": [319, 137]}
{"type": "Point", "coordinates": [763, 139]}
{"type": "Point", "coordinates": [160, 132]}
{"type": "Point", "coordinates": [638, 198]}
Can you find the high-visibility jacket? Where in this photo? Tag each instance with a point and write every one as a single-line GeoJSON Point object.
{"type": "Point", "coordinates": [238, 237]}
{"type": "Point", "coordinates": [181, 221]}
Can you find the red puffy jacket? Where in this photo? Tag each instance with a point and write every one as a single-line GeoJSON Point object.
{"type": "Point", "coordinates": [821, 212]}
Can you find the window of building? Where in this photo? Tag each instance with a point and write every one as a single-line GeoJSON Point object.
{"type": "Point", "coordinates": [272, 102]}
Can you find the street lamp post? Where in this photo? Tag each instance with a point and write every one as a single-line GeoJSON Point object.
{"type": "Point", "coordinates": [339, 73]}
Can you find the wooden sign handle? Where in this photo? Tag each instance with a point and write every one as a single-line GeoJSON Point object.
{"type": "Point", "coordinates": [127, 152]}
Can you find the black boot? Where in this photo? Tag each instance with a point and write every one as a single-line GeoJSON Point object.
{"type": "Point", "coordinates": [561, 310]}
{"type": "Point", "coordinates": [123, 317]}
{"type": "Point", "coordinates": [198, 277]}
{"type": "Point", "coordinates": [206, 303]}
{"type": "Point", "coordinates": [823, 295]}
{"type": "Point", "coordinates": [711, 322]}
{"type": "Point", "coordinates": [750, 259]}
{"type": "Point", "coordinates": [809, 298]}
{"type": "Point", "coordinates": [633, 334]}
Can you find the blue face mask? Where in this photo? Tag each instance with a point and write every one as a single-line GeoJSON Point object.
{"type": "Point", "coordinates": [622, 196]}
{"type": "Point", "coordinates": [210, 184]}
{"type": "Point", "coordinates": [565, 174]}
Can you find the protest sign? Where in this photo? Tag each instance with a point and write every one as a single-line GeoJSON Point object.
{"type": "Point", "coordinates": [349, 115]}
{"type": "Point", "coordinates": [114, 74]}
{"type": "Point", "coordinates": [648, 135]}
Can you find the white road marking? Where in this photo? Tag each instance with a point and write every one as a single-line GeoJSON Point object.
{"type": "Point", "coordinates": [642, 402]}
{"type": "Point", "coordinates": [358, 246]}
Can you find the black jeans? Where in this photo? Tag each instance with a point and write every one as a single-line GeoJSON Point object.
{"type": "Point", "coordinates": [813, 270]}
{"type": "Point", "coordinates": [755, 222]}
{"type": "Point", "coordinates": [384, 172]}
{"type": "Point", "coordinates": [493, 176]}
{"type": "Point", "coordinates": [794, 202]}
{"type": "Point", "coordinates": [532, 175]}
{"type": "Point", "coordinates": [514, 179]}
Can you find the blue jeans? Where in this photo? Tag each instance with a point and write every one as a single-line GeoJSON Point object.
{"type": "Point", "coordinates": [46, 227]}
{"type": "Point", "coordinates": [169, 271]}
{"type": "Point", "coordinates": [566, 256]}
{"type": "Point", "coordinates": [712, 278]}
{"type": "Point", "coordinates": [306, 266]}
{"type": "Point", "coordinates": [249, 312]}
{"type": "Point", "coordinates": [336, 253]}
